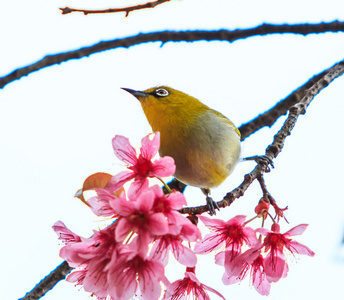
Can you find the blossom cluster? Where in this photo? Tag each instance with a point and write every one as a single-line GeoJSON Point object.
{"type": "Point", "coordinates": [265, 261]}
{"type": "Point", "coordinates": [128, 257]}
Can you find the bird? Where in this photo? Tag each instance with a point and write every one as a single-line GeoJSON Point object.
{"type": "Point", "coordinates": [204, 144]}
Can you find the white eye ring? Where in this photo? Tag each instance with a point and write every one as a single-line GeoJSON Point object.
{"type": "Point", "coordinates": [161, 92]}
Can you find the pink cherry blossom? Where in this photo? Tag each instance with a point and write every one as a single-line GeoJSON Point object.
{"type": "Point", "coordinates": [173, 242]}
{"type": "Point", "coordinates": [133, 274]}
{"type": "Point", "coordinates": [251, 261]}
{"type": "Point", "coordinates": [140, 167]}
{"type": "Point", "coordinates": [90, 257]}
{"type": "Point", "coordinates": [190, 288]}
{"type": "Point", "coordinates": [274, 244]}
{"type": "Point", "coordinates": [139, 217]}
{"type": "Point", "coordinates": [231, 235]}
{"type": "Point", "coordinates": [101, 204]}
{"type": "Point", "coordinates": [169, 205]}
{"type": "Point", "coordinates": [64, 234]}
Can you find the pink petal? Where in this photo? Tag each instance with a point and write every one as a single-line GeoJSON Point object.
{"type": "Point", "coordinates": [236, 220]}
{"type": "Point", "coordinates": [193, 277]}
{"type": "Point", "coordinates": [158, 224]}
{"type": "Point", "coordinates": [126, 289]}
{"type": "Point", "coordinates": [117, 181]}
{"type": "Point", "coordinates": [263, 231]}
{"type": "Point", "coordinates": [123, 207]}
{"type": "Point", "coordinates": [149, 281]}
{"type": "Point", "coordinates": [211, 222]}
{"type": "Point", "coordinates": [260, 283]}
{"type": "Point", "coordinates": [65, 234]}
{"type": "Point", "coordinates": [227, 280]}
{"type": "Point", "coordinates": [220, 258]}
{"type": "Point", "coordinates": [76, 276]}
{"type": "Point", "coordinates": [176, 200]}
{"type": "Point", "coordinates": [251, 239]}
{"type": "Point", "coordinates": [123, 150]}
{"type": "Point", "coordinates": [212, 241]}
{"type": "Point", "coordinates": [274, 267]}
{"type": "Point", "coordinates": [122, 229]}
{"type": "Point", "coordinates": [299, 248]}
{"type": "Point", "coordinates": [101, 207]}
{"type": "Point", "coordinates": [297, 230]}
{"type": "Point", "coordinates": [163, 167]}
{"type": "Point", "coordinates": [145, 201]}
{"type": "Point", "coordinates": [150, 147]}
{"type": "Point", "coordinates": [140, 184]}
{"type": "Point", "coordinates": [185, 256]}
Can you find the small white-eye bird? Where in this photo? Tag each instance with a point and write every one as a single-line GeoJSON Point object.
{"type": "Point", "coordinates": [204, 143]}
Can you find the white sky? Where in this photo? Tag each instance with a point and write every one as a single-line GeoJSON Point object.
{"type": "Point", "coordinates": [57, 125]}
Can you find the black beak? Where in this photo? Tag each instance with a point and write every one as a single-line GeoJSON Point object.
{"type": "Point", "coordinates": [137, 94]}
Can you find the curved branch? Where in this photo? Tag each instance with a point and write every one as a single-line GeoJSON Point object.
{"type": "Point", "coordinates": [281, 108]}
{"type": "Point", "coordinates": [172, 36]}
{"type": "Point", "coordinates": [127, 10]}
{"type": "Point", "coordinates": [275, 148]}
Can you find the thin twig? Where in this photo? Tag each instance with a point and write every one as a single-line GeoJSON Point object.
{"type": "Point", "coordinates": [127, 10]}
{"type": "Point", "coordinates": [172, 36]}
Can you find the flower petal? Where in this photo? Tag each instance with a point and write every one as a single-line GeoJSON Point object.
{"type": "Point", "coordinates": [122, 229]}
{"type": "Point", "coordinates": [117, 181]}
{"type": "Point", "coordinates": [185, 255]}
{"type": "Point", "coordinates": [211, 222]}
{"type": "Point", "coordinates": [163, 167]}
{"type": "Point", "coordinates": [299, 248]}
{"type": "Point", "coordinates": [64, 234]}
{"type": "Point", "coordinates": [297, 230]}
{"type": "Point", "coordinates": [149, 146]}
{"type": "Point", "coordinates": [145, 201]}
{"type": "Point", "coordinates": [140, 184]}
{"type": "Point", "coordinates": [240, 219]}
{"type": "Point", "coordinates": [158, 224]}
{"type": "Point", "coordinates": [274, 267]}
{"type": "Point", "coordinates": [123, 150]}
{"type": "Point", "coordinates": [211, 242]}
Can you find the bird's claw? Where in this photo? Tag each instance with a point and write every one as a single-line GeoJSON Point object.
{"type": "Point", "coordinates": [212, 206]}
{"type": "Point", "coordinates": [261, 158]}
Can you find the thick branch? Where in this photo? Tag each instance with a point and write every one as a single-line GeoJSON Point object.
{"type": "Point", "coordinates": [275, 148]}
{"type": "Point", "coordinates": [127, 10]}
{"type": "Point", "coordinates": [48, 282]}
{"type": "Point", "coordinates": [172, 36]}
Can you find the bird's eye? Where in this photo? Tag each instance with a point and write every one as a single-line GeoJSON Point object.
{"type": "Point", "coordinates": [161, 92]}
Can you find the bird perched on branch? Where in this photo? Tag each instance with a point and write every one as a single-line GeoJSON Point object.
{"type": "Point", "coordinates": [204, 144]}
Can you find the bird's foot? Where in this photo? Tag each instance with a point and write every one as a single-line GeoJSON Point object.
{"type": "Point", "coordinates": [212, 206]}
{"type": "Point", "coordinates": [261, 158]}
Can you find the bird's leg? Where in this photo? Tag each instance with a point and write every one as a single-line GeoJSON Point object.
{"type": "Point", "coordinates": [261, 158]}
{"type": "Point", "coordinates": [212, 205]}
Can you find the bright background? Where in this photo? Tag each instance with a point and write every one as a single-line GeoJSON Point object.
{"type": "Point", "coordinates": [57, 125]}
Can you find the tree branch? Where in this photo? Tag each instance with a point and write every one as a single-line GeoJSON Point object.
{"type": "Point", "coordinates": [47, 283]}
{"type": "Point", "coordinates": [172, 36]}
{"type": "Point", "coordinates": [281, 108]}
{"type": "Point", "coordinates": [127, 10]}
{"type": "Point", "coordinates": [275, 148]}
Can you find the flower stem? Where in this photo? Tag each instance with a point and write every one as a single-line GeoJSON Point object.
{"type": "Point", "coordinates": [166, 186]}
